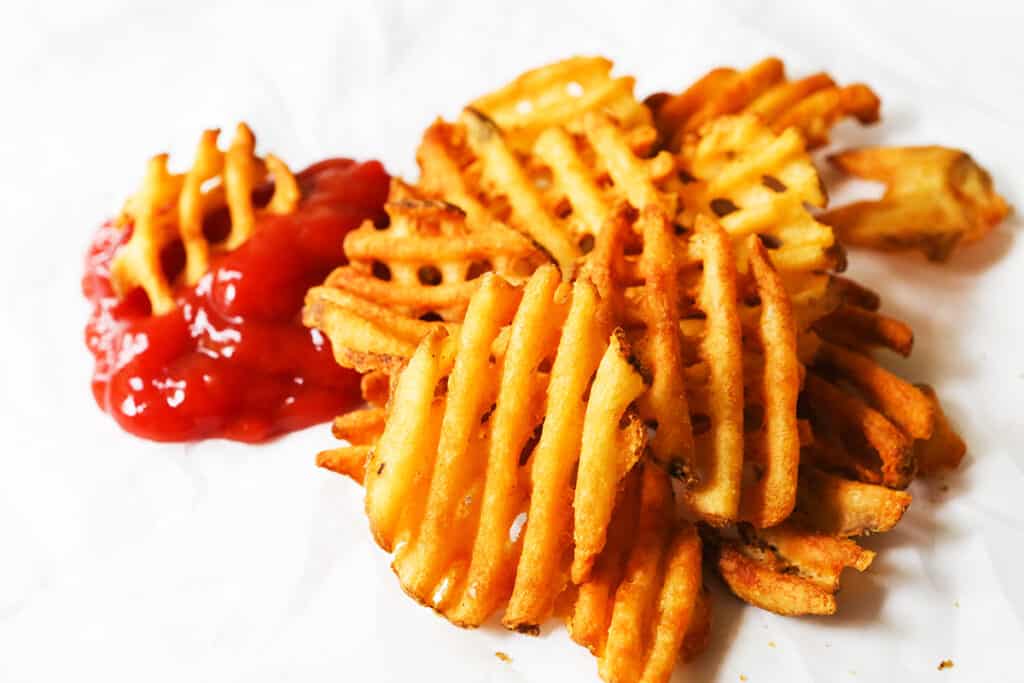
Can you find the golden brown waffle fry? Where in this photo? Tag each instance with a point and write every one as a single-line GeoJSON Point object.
{"type": "Point", "coordinates": [445, 482]}
{"type": "Point", "coordinates": [898, 400]}
{"type": "Point", "coordinates": [364, 335]}
{"type": "Point", "coordinates": [560, 94]}
{"type": "Point", "coordinates": [861, 328]}
{"type": "Point", "coordinates": [644, 601]}
{"type": "Point", "coordinates": [944, 449]}
{"type": "Point", "coordinates": [170, 207]}
{"type": "Point", "coordinates": [935, 199]}
{"type": "Point", "coordinates": [758, 182]}
{"type": "Point", "coordinates": [858, 436]}
{"type": "Point", "coordinates": [842, 507]}
{"type": "Point", "coordinates": [788, 570]}
{"type": "Point", "coordinates": [811, 105]}
{"type": "Point", "coordinates": [427, 261]}
{"type": "Point", "coordinates": [561, 192]}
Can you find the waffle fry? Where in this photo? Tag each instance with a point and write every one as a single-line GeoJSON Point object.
{"type": "Point", "coordinates": [935, 199]}
{"type": "Point", "coordinates": [811, 105]}
{"type": "Point", "coordinates": [170, 207]}
{"type": "Point", "coordinates": [364, 335]}
{"type": "Point", "coordinates": [841, 507]}
{"type": "Point", "coordinates": [443, 485]}
{"type": "Point", "coordinates": [644, 598]}
{"type": "Point", "coordinates": [757, 182]}
{"type": "Point", "coordinates": [561, 194]}
{"type": "Point", "coordinates": [559, 95]}
{"type": "Point", "coordinates": [788, 570]}
{"type": "Point", "coordinates": [426, 262]}
{"type": "Point", "coordinates": [944, 449]}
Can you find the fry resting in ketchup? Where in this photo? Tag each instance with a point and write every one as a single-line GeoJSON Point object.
{"type": "Point", "coordinates": [197, 286]}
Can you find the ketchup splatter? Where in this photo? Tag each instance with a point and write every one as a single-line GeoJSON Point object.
{"type": "Point", "coordinates": [233, 359]}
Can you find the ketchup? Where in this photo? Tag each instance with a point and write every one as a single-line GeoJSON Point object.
{"type": "Point", "coordinates": [233, 359]}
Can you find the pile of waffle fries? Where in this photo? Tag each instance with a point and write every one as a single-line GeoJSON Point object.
{"type": "Point", "coordinates": [606, 344]}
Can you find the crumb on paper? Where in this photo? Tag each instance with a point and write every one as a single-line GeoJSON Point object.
{"type": "Point", "coordinates": [945, 664]}
{"type": "Point", "coordinates": [503, 656]}
{"type": "Point", "coordinates": [771, 643]}
{"type": "Point", "coordinates": [956, 603]}
{"type": "Point", "coordinates": [828, 644]}
{"type": "Point", "coordinates": [742, 677]}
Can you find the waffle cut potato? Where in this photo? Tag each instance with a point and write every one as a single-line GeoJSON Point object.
{"type": "Point", "coordinates": [170, 207]}
{"type": "Point", "coordinates": [426, 262]}
{"type": "Point", "coordinates": [936, 198]}
{"type": "Point", "coordinates": [810, 105]}
{"type": "Point", "coordinates": [559, 94]}
{"type": "Point", "coordinates": [560, 193]}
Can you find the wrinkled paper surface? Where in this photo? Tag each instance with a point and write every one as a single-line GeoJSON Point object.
{"type": "Point", "coordinates": [123, 560]}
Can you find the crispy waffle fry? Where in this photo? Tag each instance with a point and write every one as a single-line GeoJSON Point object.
{"type": "Point", "coordinates": [170, 207]}
{"type": "Point", "coordinates": [841, 507]}
{"type": "Point", "coordinates": [788, 570]}
{"type": "Point", "coordinates": [811, 105]}
{"type": "Point", "coordinates": [935, 199]}
{"type": "Point", "coordinates": [426, 262]}
{"type": "Point", "coordinates": [897, 399]}
{"type": "Point", "coordinates": [863, 439]}
{"type": "Point", "coordinates": [364, 335]}
{"type": "Point", "coordinates": [560, 94]}
{"type": "Point", "coordinates": [444, 500]}
{"type": "Point", "coordinates": [861, 328]}
{"type": "Point", "coordinates": [644, 602]}
{"type": "Point", "coordinates": [561, 193]}
{"type": "Point", "coordinates": [944, 449]}
{"type": "Point", "coordinates": [758, 182]}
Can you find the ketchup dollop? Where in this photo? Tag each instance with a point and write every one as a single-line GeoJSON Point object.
{"type": "Point", "coordinates": [233, 359]}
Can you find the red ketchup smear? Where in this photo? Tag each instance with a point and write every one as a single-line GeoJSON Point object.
{"type": "Point", "coordinates": [233, 360]}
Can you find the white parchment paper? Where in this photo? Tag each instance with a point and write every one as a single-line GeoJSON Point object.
{"type": "Point", "coordinates": [122, 560]}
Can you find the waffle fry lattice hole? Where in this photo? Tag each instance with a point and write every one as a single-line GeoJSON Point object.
{"type": "Point", "coordinates": [171, 207]}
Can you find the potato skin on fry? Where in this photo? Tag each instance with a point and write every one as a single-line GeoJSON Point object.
{"type": "Point", "coordinates": [936, 198]}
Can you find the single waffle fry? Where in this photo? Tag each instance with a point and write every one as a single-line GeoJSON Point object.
{"type": "Point", "coordinates": [560, 94]}
{"type": "Point", "coordinates": [171, 207]}
{"type": "Point", "coordinates": [811, 105]}
{"type": "Point", "coordinates": [364, 336]}
{"type": "Point", "coordinates": [664, 405]}
{"type": "Point", "coordinates": [347, 460]}
{"type": "Point", "coordinates": [862, 429]}
{"type": "Point", "coordinates": [842, 507]}
{"type": "Point", "coordinates": [552, 464]}
{"type": "Point", "coordinates": [860, 328]}
{"type": "Point", "coordinates": [613, 438]}
{"type": "Point", "coordinates": [770, 497]}
{"type": "Point", "coordinates": [944, 449]}
{"type": "Point", "coordinates": [758, 182]}
{"type": "Point", "coordinates": [716, 497]}
{"type": "Point", "coordinates": [427, 261]}
{"type": "Point", "coordinates": [898, 400]}
{"type": "Point", "coordinates": [788, 570]}
{"type": "Point", "coordinates": [502, 173]}
{"type": "Point", "coordinates": [935, 199]}
{"type": "Point", "coordinates": [518, 410]}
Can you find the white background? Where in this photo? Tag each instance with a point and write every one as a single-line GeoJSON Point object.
{"type": "Point", "coordinates": [122, 560]}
